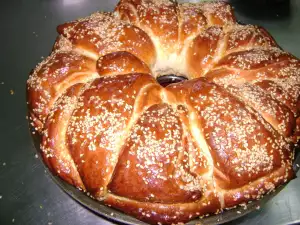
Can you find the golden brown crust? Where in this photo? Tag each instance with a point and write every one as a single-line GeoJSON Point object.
{"type": "Point", "coordinates": [272, 110]}
{"type": "Point", "coordinates": [278, 92]}
{"type": "Point", "coordinates": [194, 17]}
{"type": "Point", "coordinates": [157, 17]}
{"type": "Point", "coordinates": [243, 147]}
{"type": "Point", "coordinates": [53, 76]}
{"type": "Point", "coordinates": [192, 20]}
{"type": "Point", "coordinates": [258, 188]}
{"type": "Point", "coordinates": [99, 125]}
{"type": "Point", "coordinates": [203, 50]}
{"type": "Point", "coordinates": [55, 150]}
{"type": "Point", "coordinates": [154, 213]}
{"type": "Point", "coordinates": [145, 168]}
{"type": "Point", "coordinates": [167, 155]}
{"type": "Point", "coordinates": [243, 37]}
{"type": "Point", "coordinates": [118, 63]}
{"type": "Point", "coordinates": [103, 33]}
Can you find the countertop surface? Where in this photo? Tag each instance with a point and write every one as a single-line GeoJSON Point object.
{"type": "Point", "coordinates": [28, 196]}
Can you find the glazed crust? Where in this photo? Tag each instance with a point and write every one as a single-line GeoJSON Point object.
{"type": "Point", "coordinates": [167, 155]}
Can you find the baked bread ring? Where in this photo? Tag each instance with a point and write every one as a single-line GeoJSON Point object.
{"type": "Point", "coordinates": [224, 137]}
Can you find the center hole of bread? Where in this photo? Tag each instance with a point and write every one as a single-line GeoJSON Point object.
{"type": "Point", "coordinates": [167, 79]}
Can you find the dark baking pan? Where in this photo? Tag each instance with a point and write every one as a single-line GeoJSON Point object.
{"type": "Point", "coordinates": [120, 217]}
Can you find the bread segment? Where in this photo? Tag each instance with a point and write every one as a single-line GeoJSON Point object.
{"type": "Point", "coordinates": [97, 127]}
{"type": "Point", "coordinates": [54, 146]}
{"type": "Point", "coordinates": [203, 50]}
{"type": "Point", "coordinates": [272, 110]}
{"type": "Point", "coordinates": [158, 18]}
{"type": "Point", "coordinates": [50, 79]}
{"type": "Point", "coordinates": [154, 213]}
{"type": "Point", "coordinates": [118, 63]}
{"type": "Point", "coordinates": [103, 33]}
{"type": "Point", "coordinates": [156, 155]}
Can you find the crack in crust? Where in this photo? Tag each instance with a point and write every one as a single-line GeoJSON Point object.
{"type": "Point", "coordinates": [168, 155]}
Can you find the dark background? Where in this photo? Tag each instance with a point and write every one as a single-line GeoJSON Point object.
{"type": "Point", "coordinates": [28, 196]}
